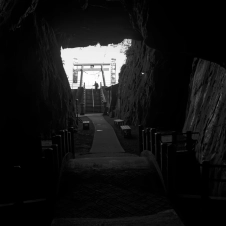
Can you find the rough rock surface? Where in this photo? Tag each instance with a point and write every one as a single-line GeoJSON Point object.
{"type": "Point", "coordinates": [35, 94]}
{"type": "Point", "coordinates": [154, 90]}
{"type": "Point", "coordinates": [82, 23]}
{"type": "Point", "coordinates": [187, 27]}
{"type": "Point", "coordinates": [206, 114]}
{"type": "Point", "coordinates": [153, 87]}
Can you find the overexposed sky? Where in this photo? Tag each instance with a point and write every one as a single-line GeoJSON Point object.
{"type": "Point", "coordinates": [93, 54]}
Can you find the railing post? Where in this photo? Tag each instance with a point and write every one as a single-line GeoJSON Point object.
{"type": "Point", "coordinates": [76, 105]}
{"type": "Point", "coordinates": [144, 139]}
{"type": "Point", "coordinates": [174, 138]}
{"type": "Point", "coordinates": [164, 161]}
{"type": "Point", "coordinates": [83, 101]}
{"type": "Point", "coordinates": [18, 192]}
{"type": "Point", "coordinates": [140, 138]}
{"type": "Point", "coordinates": [105, 108]}
{"type": "Point", "coordinates": [163, 157]}
{"type": "Point", "coordinates": [171, 169]}
{"type": "Point", "coordinates": [55, 161]}
{"type": "Point", "coordinates": [157, 146]}
{"type": "Point", "coordinates": [153, 131]}
{"type": "Point", "coordinates": [62, 133]}
{"type": "Point", "coordinates": [189, 141]}
{"type": "Point", "coordinates": [205, 185]}
{"type": "Point", "coordinates": [69, 141]}
{"type": "Point", "coordinates": [82, 109]}
{"type": "Point", "coordinates": [71, 129]}
{"type": "Point", "coordinates": [57, 140]}
{"type": "Point", "coordinates": [66, 141]}
{"type": "Point", "coordinates": [49, 165]}
{"type": "Point", "coordinates": [148, 145]}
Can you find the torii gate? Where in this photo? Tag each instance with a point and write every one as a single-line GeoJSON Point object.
{"type": "Point", "coordinates": [91, 69]}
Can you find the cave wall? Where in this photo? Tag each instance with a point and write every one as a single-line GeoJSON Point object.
{"type": "Point", "coordinates": [80, 23]}
{"type": "Point", "coordinates": [185, 37]}
{"type": "Point", "coordinates": [153, 87]}
{"type": "Point", "coordinates": [206, 110]}
{"type": "Point", "coordinates": [35, 95]}
{"type": "Point", "coordinates": [184, 27]}
{"type": "Point", "coordinates": [206, 114]}
{"type": "Point", "coordinates": [176, 92]}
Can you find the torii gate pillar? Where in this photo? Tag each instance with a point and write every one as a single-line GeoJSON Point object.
{"type": "Point", "coordinates": [81, 78]}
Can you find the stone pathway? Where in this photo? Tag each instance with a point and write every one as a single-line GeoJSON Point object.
{"type": "Point", "coordinates": [110, 187]}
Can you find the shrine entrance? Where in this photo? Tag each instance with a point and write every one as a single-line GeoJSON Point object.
{"type": "Point", "coordinates": [81, 73]}
{"type": "Point", "coordinates": [89, 67]}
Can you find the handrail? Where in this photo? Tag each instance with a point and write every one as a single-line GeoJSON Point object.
{"type": "Point", "coordinates": [102, 94]}
{"type": "Point", "coordinates": [166, 154]}
{"type": "Point", "coordinates": [52, 161]}
{"type": "Point", "coordinates": [93, 99]}
{"type": "Point", "coordinates": [84, 100]}
{"type": "Point", "coordinates": [103, 100]}
{"type": "Point", "coordinates": [89, 84]}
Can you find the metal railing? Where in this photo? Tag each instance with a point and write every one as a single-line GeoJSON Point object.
{"type": "Point", "coordinates": [175, 154]}
{"type": "Point", "coordinates": [93, 100]}
{"type": "Point", "coordinates": [89, 85]}
{"type": "Point", "coordinates": [54, 154]}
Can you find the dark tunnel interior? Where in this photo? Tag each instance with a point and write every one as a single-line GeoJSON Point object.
{"type": "Point", "coordinates": [173, 78]}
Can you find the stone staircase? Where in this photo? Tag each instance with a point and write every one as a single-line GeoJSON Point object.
{"type": "Point", "coordinates": [93, 101]}
{"type": "Point", "coordinates": [109, 187]}
{"type": "Point", "coordinates": [112, 191]}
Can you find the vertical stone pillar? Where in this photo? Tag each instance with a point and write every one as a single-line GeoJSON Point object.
{"type": "Point", "coordinates": [81, 78]}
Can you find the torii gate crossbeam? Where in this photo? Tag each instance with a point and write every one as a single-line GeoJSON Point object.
{"type": "Point", "coordinates": [92, 69]}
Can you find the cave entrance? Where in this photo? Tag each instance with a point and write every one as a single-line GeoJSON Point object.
{"type": "Point", "coordinates": [86, 63]}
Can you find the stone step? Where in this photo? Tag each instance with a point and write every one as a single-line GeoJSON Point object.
{"type": "Point", "coordinates": [91, 107]}
{"type": "Point", "coordinates": [164, 218]}
{"type": "Point", "coordinates": [122, 162]}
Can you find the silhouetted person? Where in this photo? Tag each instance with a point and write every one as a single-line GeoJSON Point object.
{"type": "Point", "coordinates": [96, 86]}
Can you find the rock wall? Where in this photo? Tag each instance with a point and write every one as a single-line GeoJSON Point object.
{"type": "Point", "coordinates": [153, 87]}
{"type": "Point", "coordinates": [80, 23]}
{"type": "Point", "coordinates": [35, 95]}
{"type": "Point", "coordinates": [182, 27]}
{"type": "Point", "coordinates": [206, 114]}
{"type": "Point", "coordinates": [154, 82]}
{"type": "Point", "coordinates": [181, 93]}
{"type": "Point", "coordinates": [158, 96]}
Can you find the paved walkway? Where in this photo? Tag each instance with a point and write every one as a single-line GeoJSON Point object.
{"type": "Point", "coordinates": [110, 187]}
{"type": "Point", "coordinates": [105, 140]}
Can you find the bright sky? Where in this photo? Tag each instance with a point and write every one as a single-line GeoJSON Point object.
{"type": "Point", "coordinates": [93, 54]}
